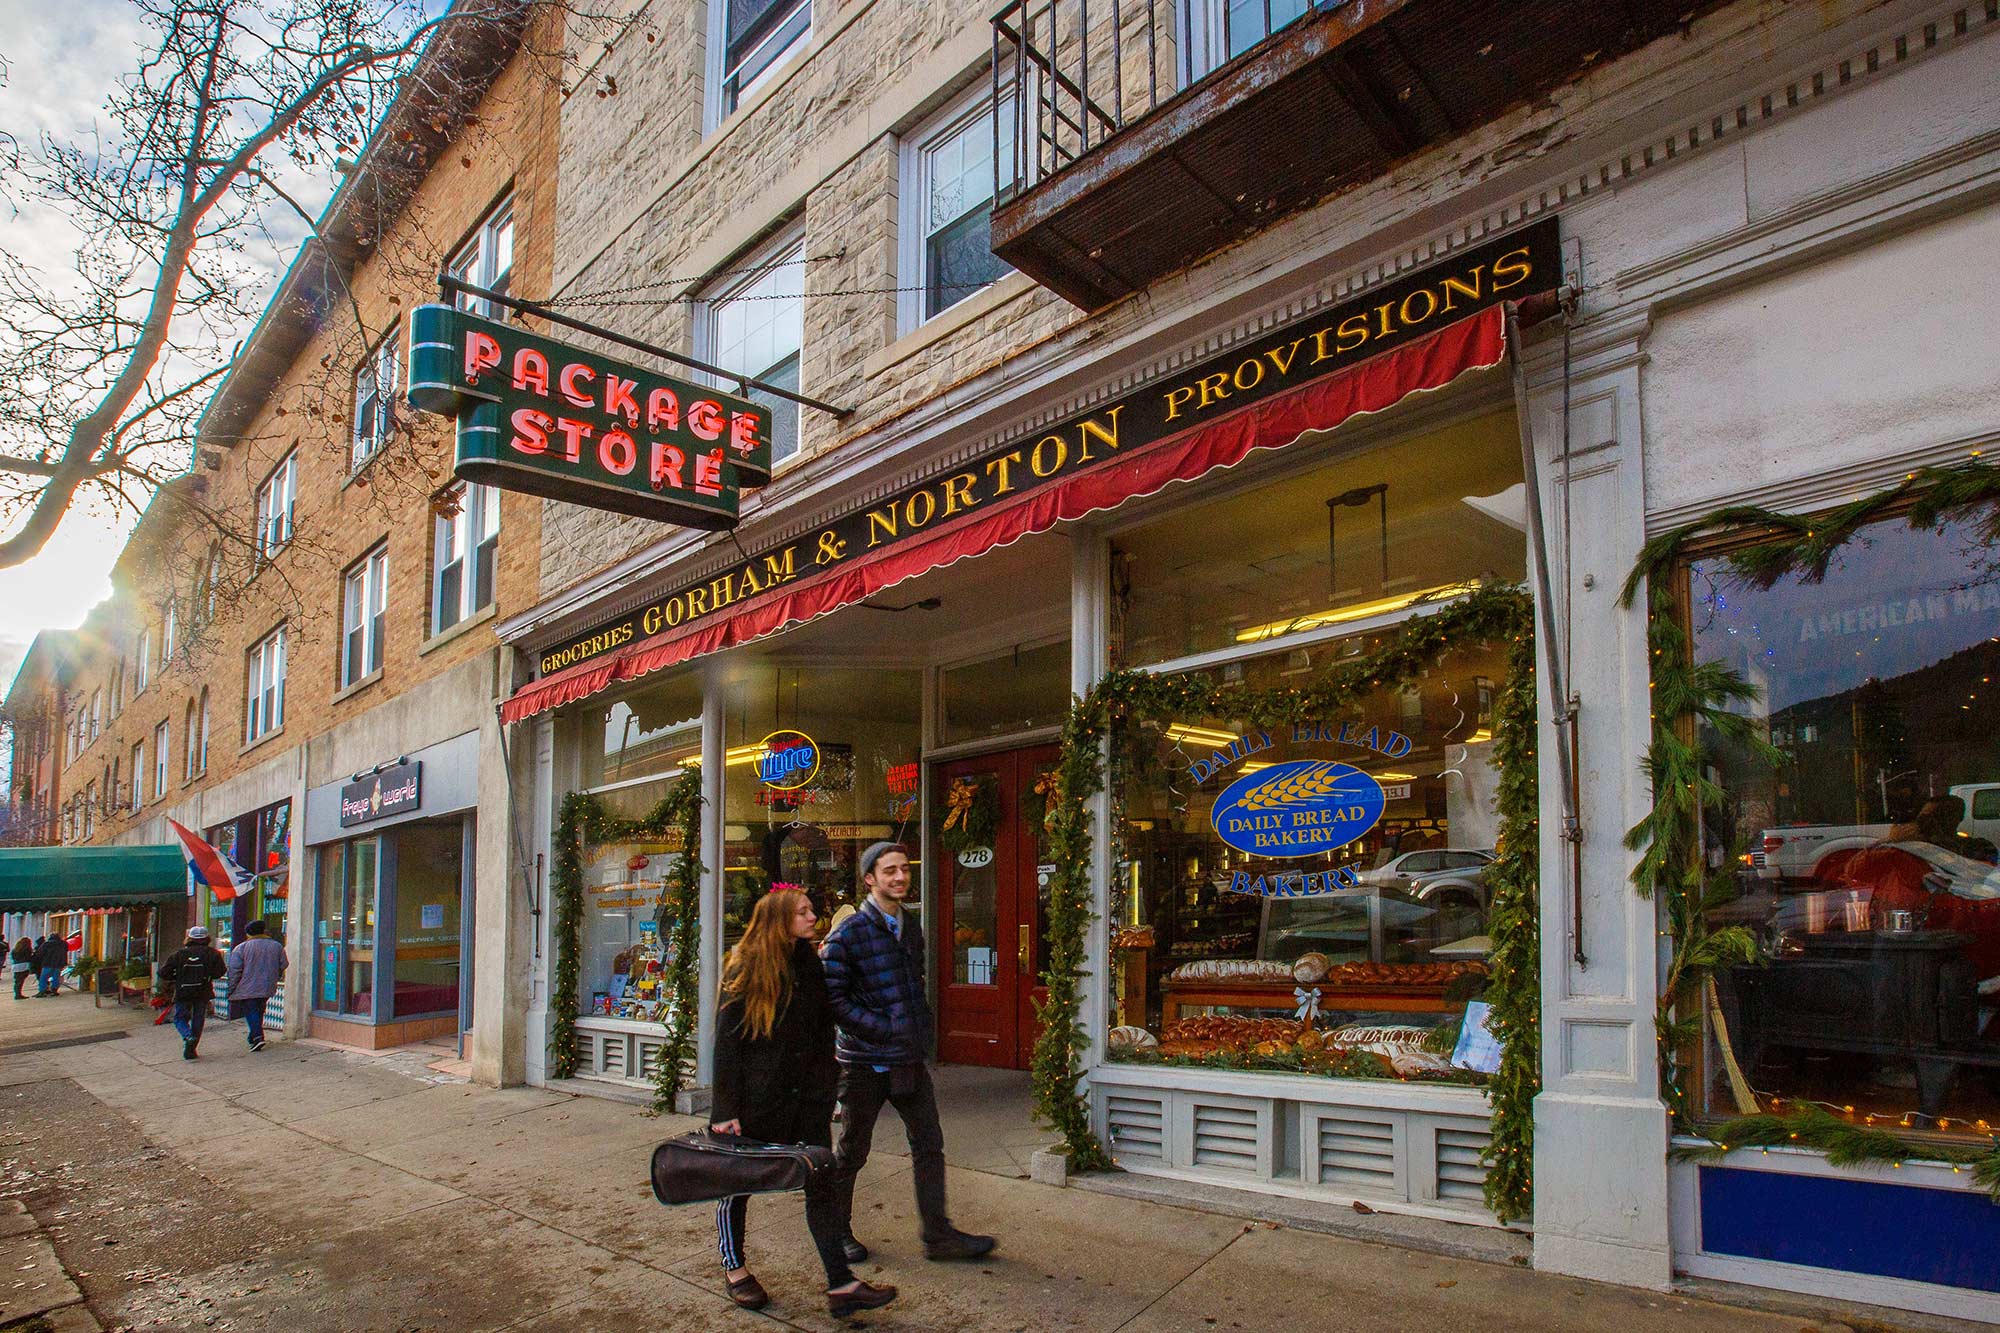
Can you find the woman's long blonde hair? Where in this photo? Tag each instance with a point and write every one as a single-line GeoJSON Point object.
{"type": "Point", "coordinates": [758, 971]}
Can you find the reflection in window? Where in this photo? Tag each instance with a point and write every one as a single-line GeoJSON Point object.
{"type": "Point", "coordinates": [1863, 862]}
{"type": "Point", "coordinates": [1415, 521]}
{"type": "Point", "coordinates": [1251, 933]}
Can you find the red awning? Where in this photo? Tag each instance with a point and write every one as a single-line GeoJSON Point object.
{"type": "Point", "coordinates": [1374, 385]}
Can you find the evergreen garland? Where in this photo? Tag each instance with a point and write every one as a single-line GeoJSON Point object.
{"type": "Point", "coordinates": [1123, 699]}
{"type": "Point", "coordinates": [585, 819]}
{"type": "Point", "coordinates": [1844, 1143]}
{"type": "Point", "coordinates": [1690, 697]}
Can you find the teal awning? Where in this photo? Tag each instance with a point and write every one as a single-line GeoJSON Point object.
{"type": "Point", "coordinates": [64, 879]}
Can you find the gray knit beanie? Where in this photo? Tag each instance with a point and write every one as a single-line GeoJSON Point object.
{"type": "Point", "coordinates": [876, 851]}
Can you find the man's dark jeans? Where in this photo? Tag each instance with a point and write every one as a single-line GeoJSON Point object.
{"type": "Point", "coordinates": [190, 1016]}
{"type": "Point", "coordinates": [253, 1015]}
{"type": "Point", "coordinates": [862, 1093]}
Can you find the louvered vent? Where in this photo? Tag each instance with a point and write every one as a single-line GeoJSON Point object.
{"type": "Point", "coordinates": [1359, 1155]}
{"type": "Point", "coordinates": [1137, 1125]}
{"type": "Point", "coordinates": [1226, 1137]}
{"type": "Point", "coordinates": [614, 1055]}
{"type": "Point", "coordinates": [1460, 1177]}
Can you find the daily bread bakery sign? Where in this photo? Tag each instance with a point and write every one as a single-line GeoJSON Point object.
{"type": "Point", "coordinates": [1391, 315]}
{"type": "Point", "coordinates": [1295, 808]}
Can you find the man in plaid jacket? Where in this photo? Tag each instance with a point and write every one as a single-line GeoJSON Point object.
{"type": "Point", "coordinates": [875, 977]}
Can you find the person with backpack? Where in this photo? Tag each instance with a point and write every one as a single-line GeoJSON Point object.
{"type": "Point", "coordinates": [256, 966]}
{"type": "Point", "coordinates": [875, 977]}
{"type": "Point", "coordinates": [23, 959]}
{"type": "Point", "coordinates": [193, 969]}
{"type": "Point", "coordinates": [774, 1080]}
{"type": "Point", "coordinates": [52, 958]}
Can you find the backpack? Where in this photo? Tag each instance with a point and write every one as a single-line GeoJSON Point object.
{"type": "Point", "coordinates": [191, 972]}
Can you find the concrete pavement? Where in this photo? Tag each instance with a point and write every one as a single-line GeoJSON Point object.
{"type": "Point", "coordinates": [312, 1188]}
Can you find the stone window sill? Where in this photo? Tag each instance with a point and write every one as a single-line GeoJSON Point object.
{"type": "Point", "coordinates": [370, 679]}
{"type": "Point", "coordinates": [471, 622]}
{"type": "Point", "coordinates": [943, 325]}
{"type": "Point", "coordinates": [278, 730]}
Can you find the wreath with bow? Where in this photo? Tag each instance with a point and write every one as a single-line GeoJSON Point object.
{"type": "Point", "coordinates": [971, 814]}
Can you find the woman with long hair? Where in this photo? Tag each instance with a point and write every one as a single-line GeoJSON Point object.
{"type": "Point", "coordinates": [775, 1080]}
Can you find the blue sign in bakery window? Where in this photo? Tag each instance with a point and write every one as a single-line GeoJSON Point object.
{"type": "Point", "coordinates": [1304, 807]}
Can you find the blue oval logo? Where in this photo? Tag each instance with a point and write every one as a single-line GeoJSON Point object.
{"type": "Point", "coordinates": [1301, 808]}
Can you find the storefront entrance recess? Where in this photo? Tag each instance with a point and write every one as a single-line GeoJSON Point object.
{"type": "Point", "coordinates": [992, 881]}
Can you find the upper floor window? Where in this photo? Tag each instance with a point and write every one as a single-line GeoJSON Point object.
{"type": "Point", "coordinates": [188, 741]}
{"type": "Point", "coordinates": [752, 37]}
{"type": "Point", "coordinates": [97, 708]}
{"type": "Point", "coordinates": [947, 194]}
{"type": "Point", "coordinates": [755, 326]}
{"type": "Point", "coordinates": [375, 398]}
{"type": "Point", "coordinates": [487, 260]}
{"type": "Point", "coordinates": [142, 668]}
{"type": "Point", "coordinates": [118, 688]}
{"type": "Point", "coordinates": [138, 775]}
{"type": "Point", "coordinates": [275, 499]}
{"type": "Point", "coordinates": [264, 708]}
{"type": "Point", "coordinates": [90, 810]}
{"type": "Point", "coordinates": [462, 554]}
{"type": "Point", "coordinates": [211, 578]}
{"type": "Point", "coordinates": [362, 616]}
{"type": "Point", "coordinates": [161, 743]}
{"type": "Point", "coordinates": [202, 765]}
{"type": "Point", "coordinates": [167, 626]}
{"type": "Point", "coordinates": [1218, 31]}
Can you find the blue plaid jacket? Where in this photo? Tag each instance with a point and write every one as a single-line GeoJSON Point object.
{"type": "Point", "coordinates": [876, 983]}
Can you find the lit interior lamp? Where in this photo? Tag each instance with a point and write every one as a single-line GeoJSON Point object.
{"type": "Point", "coordinates": [1358, 611]}
{"type": "Point", "coordinates": [738, 756]}
{"type": "Point", "coordinates": [1200, 735]}
{"type": "Point", "coordinates": [1395, 777]}
{"type": "Point", "coordinates": [1483, 734]}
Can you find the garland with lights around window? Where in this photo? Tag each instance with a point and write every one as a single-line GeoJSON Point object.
{"type": "Point", "coordinates": [1124, 698]}
{"type": "Point", "coordinates": [1690, 696]}
{"type": "Point", "coordinates": [585, 819]}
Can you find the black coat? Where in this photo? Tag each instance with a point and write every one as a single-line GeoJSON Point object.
{"type": "Point", "coordinates": [211, 959]}
{"type": "Point", "coordinates": [54, 953]}
{"type": "Point", "coordinates": [781, 1086]}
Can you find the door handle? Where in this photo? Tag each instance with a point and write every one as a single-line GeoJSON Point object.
{"type": "Point", "coordinates": [1024, 948]}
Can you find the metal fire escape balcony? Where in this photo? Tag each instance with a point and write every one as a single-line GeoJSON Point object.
{"type": "Point", "coordinates": [1137, 136]}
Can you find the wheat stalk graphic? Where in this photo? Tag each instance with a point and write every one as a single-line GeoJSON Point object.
{"type": "Point", "coordinates": [1293, 788]}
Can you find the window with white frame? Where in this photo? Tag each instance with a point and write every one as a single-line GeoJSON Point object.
{"type": "Point", "coordinates": [161, 743]}
{"type": "Point", "coordinates": [97, 709]}
{"type": "Point", "coordinates": [755, 326]}
{"type": "Point", "coordinates": [211, 579]}
{"type": "Point", "coordinates": [167, 627]}
{"type": "Point", "coordinates": [947, 205]}
{"type": "Point", "coordinates": [90, 810]}
{"type": "Point", "coordinates": [264, 708]}
{"type": "Point", "coordinates": [138, 774]}
{"type": "Point", "coordinates": [275, 499]}
{"type": "Point", "coordinates": [118, 688]}
{"type": "Point", "coordinates": [1218, 31]}
{"type": "Point", "coordinates": [750, 39]}
{"type": "Point", "coordinates": [362, 616]}
{"type": "Point", "coordinates": [142, 669]}
{"type": "Point", "coordinates": [189, 743]}
{"type": "Point", "coordinates": [375, 398]}
{"type": "Point", "coordinates": [487, 260]}
{"type": "Point", "coordinates": [204, 730]}
{"type": "Point", "coordinates": [463, 548]}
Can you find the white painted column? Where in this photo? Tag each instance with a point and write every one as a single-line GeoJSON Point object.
{"type": "Point", "coordinates": [537, 807]}
{"type": "Point", "coordinates": [1601, 1130]}
{"type": "Point", "coordinates": [713, 813]}
{"type": "Point", "coordinates": [1090, 564]}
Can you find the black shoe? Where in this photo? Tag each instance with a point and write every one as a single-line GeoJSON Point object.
{"type": "Point", "coordinates": [187, 1050]}
{"type": "Point", "coordinates": [855, 1251]}
{"type": "Point", "coordinates": [257, 1045]}
{"type": "Point", "coordinates": [865, 1296]}
{"type": "Point", "coordinates": [959, 1245]}
{"type": "Point", "coordinates": [749, 1293]}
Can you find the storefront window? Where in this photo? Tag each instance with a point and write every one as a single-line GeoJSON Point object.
{"type": "Point", "coordinates": [1408, 523]}
{"type": "Point", "coordinates": [634, 751]}
{"type": "Point", "coordinates": [819, 763]}
{"type": "Point", "coordinates": [430, 866]}
{"type": "Point", "coordinates": [344, 941]}
{"type": "Point", "coordinates": [1020, 690]}
{"type": "Point", "coordinates": [1864, 861]}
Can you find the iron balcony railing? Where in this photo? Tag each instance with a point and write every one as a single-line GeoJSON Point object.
{"type": "Point", "coordinates": [1070, 74]}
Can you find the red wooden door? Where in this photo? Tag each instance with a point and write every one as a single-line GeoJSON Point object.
{"type": "Point", "coordinates": [992, 941]}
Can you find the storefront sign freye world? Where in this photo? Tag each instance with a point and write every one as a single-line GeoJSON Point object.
{"type": "Point", "coordinates": [1426, 300]}
{"type": "Point", "coordinates": [1298, 807]}
{"type": "Point", "coordinates": [561, 422]}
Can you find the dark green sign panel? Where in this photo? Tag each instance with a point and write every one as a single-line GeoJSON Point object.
{"type": "Point", "coordinates": [558, 421]}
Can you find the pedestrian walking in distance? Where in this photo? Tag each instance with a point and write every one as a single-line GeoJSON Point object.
{"type": "Point", "coordinates": [23, 959]}
{"type": "Point", "coordinates": [875, 976]}
{"type": "Point", "coordinates": [192, 969]}
{"type": "Point", "coordinates": [775, 1079]}
{"type": "Point", "coordinates": [256, 966]}
{"type": "Point", "coordinates": [52, 957]}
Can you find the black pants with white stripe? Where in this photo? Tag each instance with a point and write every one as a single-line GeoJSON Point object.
{"type": "Point", "coordinates": [823, 1219]}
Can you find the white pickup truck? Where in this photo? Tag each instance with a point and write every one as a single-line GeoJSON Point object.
{"type": "Point", "coordinates": [1794, 852]}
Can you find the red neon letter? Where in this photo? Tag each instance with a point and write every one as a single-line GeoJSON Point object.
{"type": "Point", "coordinates": [743, 433]}
{"type": "Point", "coordinates": [618, 453]}
{"type": "Point", "coordinates": [618, 398]}
{"type": "Point", "coordinates": [708, 473]}
{"type": "Point", "coordinates": [482, 352]}
{"type": "Point", "coordinates": [531, 431]}
{"type": "Point", "coordinates": [531, 371]}
{"type": "Point", "coordinates": [705, 419]}
{"type": "Point", "coordinates": [667, 461]}
{"type": "Point", "coordinates": [568, 380]}
{"type": "Point", "coordinates": [574, 434]}
{"type": "Point", "coordinates": [663, 411]}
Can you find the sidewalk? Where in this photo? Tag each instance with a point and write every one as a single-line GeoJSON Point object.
{"type": "Point", "coordinates": [311, 1188]}
{"type": "Point", "coordinates": [69, 1016]}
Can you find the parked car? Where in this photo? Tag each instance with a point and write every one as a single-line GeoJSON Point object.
{"type": "Point", "coordinates": [1400, 872]}
{"type": "Point", "coordinates": [1794, 853]}
{"type": "Point", "coordinates": [1982, 810]}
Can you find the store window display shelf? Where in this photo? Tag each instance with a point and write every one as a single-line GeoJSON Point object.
{"type": "Point", "coordinates": [1401, 1147]}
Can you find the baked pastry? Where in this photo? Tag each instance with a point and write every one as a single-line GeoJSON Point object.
{"type": "Point", "coordinates": [1310, 967]}
{"type": "Point", "coordinates": [1129, 1038]}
